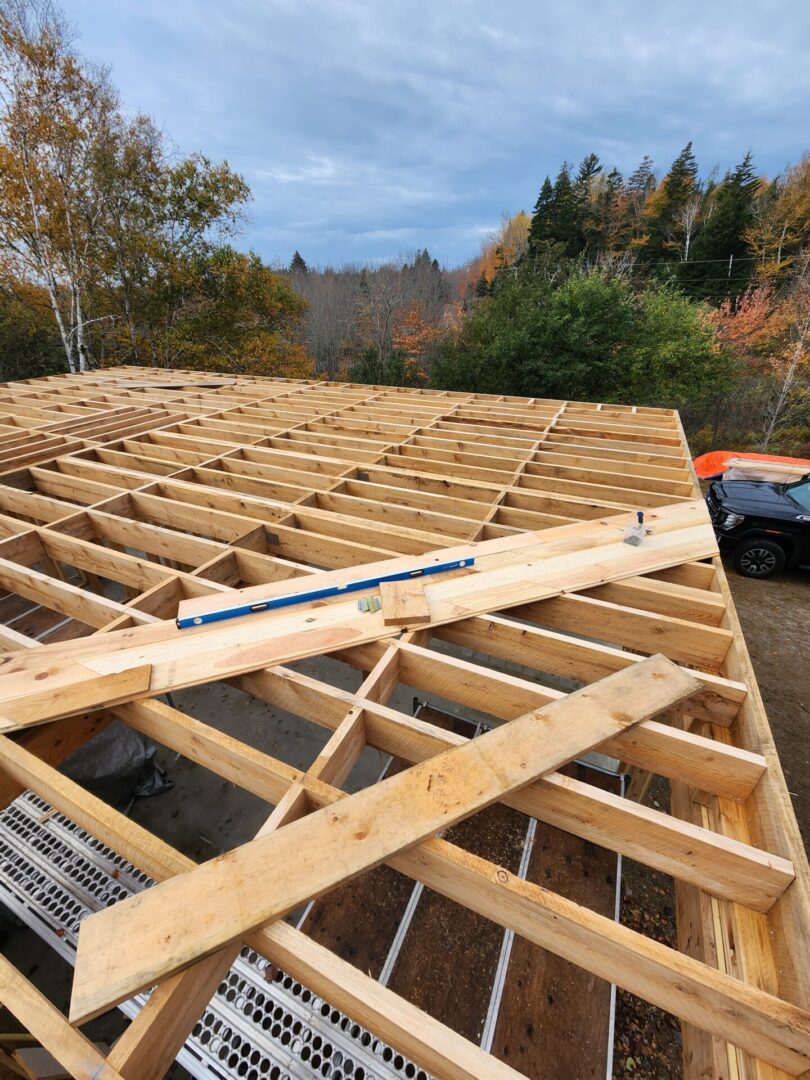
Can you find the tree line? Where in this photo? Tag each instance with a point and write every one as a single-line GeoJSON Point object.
{"type": "Point", "coordinates": [713, 238]}
{"type": "Point", "coordinates": [375, 324]}
{"type": "Point", "coordinates": [677, 291]}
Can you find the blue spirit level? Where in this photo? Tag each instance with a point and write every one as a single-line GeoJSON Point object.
{"type": "Point", "coordinates": [316, 594]}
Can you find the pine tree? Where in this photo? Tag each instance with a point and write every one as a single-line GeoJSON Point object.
{"type": "Point", "coordinates": [609, 223]}
{"type": "Point", "coordinates": [589, 168]}
{"type": "Point", "coordinates": [640, 184]}
{"type": "Point", "coordinates": [722, 265]}
{"type": "Point", "coordinates": [642, 181]}
{"type": "Point", "coordinates": [587, 218]}
{"type": "Point", "coordinates": [541, 223]}
{"type": "Point", "coordinates": [566, 213]}
{"type": "Point", "coordinates": [682, 177]}
{"type": "Point", "coordinates": [297, 264]}
{"type": "Point", "coordinates": [664, 207]}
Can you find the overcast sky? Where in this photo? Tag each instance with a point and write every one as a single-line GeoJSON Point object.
{"type": "Point", "coordinates": [369, 129]}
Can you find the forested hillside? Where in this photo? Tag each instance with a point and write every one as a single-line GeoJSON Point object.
{"type": "Point", "coordinates": [668, 286]}
{"type": "Point", "coordinates": [667, 289]}
{"type": "Point", "coordinates": [675, 290]}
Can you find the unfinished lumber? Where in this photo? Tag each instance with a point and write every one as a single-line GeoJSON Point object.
{"type": "Point", "coordinates": [49, 1027]}
{"type": "Point", "coordinates": [430, 796]}
{"type": "Point", "coordinates": [404, 603]}
{"type": "Point", "coordinates": [144, 498]}
{"type": "Point", "coordinates": [647, 835]}
{"type": "Point", "coordinates": [508, 572]}
{"type": "Point", "coordinates": [619, 958]}
{"type": "Point", "coordinates": [580, 659]}
{"type": "Point", "coordinates": [152, 1041]}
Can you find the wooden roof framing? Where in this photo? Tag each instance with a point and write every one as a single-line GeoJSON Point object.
{"type": "Point", "coordinates": [124, 494]}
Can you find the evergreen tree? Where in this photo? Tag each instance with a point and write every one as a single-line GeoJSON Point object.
{"type": "Point", "coordinates": [482, 286]}
{"type": "Point", "coordinates": [557, 215]}
{"type": "Point", "coordinates": [665, 206]}
{"type": "Point", "coordinates": [642, 181]}
{"type": "Point", "coordinates": [609, 224]}
{"type": "Point", "coordinates": [589, 168]}
{"type": "Point", "coordinates": [566, 213]}
{"type": "Point", "coordinates": [541, 223]}
{"type": "Point", "coordinates": [682, 177]}
{"type": "Point", "coordinates": [587, 218]}
{"type": "Point", "coordinates": [640, 185]}
{"type": "Point", "coordinates": [722, 264]}
{"type": "Point", "coordinates": [297, 264]}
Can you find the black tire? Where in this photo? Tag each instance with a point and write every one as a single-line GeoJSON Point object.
{"type": "Point", "coordinates": [758, 558]}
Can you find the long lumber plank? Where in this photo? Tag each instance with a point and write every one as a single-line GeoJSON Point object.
{"type": "Point", "coordinates": [134, 944]}
{"type": "Point", "coordinates": [699, 856]}
{"type": "Point", "coordinates": [560, 540]}
{"type": "Point", "coordinates": [706, 997]}
{"type": "Point", "coordinates": [153, 1039]}
{"type": "Point", "coordinates": [579, 659]}
{"type": "Point", "coordinates": [707, 764]}
{"type": "Point", "coordinates": [686, 987]}
{"type": "Point", "coordinates": [511, 571]}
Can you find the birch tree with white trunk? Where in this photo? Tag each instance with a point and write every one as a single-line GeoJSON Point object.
{"type": "Point", "coordinates": [792, 366]}
{"type": "Point", "coordinates": [55, 113]}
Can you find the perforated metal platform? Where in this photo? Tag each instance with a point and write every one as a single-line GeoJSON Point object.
{"type": "Point", "coordinates": [260, 1024]}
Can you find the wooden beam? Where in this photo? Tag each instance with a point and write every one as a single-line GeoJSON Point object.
{"type": "Point", "coordinates": [579, 659]}
{"type": "Point", "coordinates": [706, 763]}
{"type": "Point", "coordinates": [64, 699]}
{"type": "Point", "coordinates": [505, 575]}
{"type": "Point", "coordinates": [770, 1029]}
{"type": "Point", "coordinates": [332, 844]}
{"type": "Point", "coordinates": [647, 835]}
{"type": "Point", "coordinates": [406, 1028]}
{"type": "Point", "coordinates": [691, 990]}
{"type": "Point", "coordinates": [50, 1028]}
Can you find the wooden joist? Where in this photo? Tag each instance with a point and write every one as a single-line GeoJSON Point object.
{"type": "Point", "coordinates": [119, 503]}
{"type": "Point", "coordinates": [50, 1028]}
{"type": "Point", "coordinates": [650, 836]}
{"type": "Point", "coordinates": [509, 572]}
{"type": "Point", "coordinates": [132, 945]}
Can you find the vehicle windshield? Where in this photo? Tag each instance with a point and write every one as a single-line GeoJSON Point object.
{"type": "Point", "coordinates": [801, 493]}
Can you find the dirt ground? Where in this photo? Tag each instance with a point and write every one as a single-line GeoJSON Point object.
{"type": "Point", "coordinates": [775, 617]}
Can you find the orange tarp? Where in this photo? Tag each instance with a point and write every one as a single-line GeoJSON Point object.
{"type": "Point", "coordinates": [716, 462]}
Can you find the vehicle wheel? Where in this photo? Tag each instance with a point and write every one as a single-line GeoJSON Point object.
{"type": "Point", "coordinates": [758, 558]}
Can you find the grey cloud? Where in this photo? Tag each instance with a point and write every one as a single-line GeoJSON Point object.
{"type": "Point", "coordinates": [358, 122]}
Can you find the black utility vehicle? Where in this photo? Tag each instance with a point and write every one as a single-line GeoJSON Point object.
{"type": "Point", "coordinates": [763, 525]}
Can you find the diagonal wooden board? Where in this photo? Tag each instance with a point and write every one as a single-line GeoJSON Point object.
{"type": "Point", "coordinates": [136, 943]}
{"type": "Point", "coordinates": [45, 684]}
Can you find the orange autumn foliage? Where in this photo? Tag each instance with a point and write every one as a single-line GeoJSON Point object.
{"type": "Point", "coordinates": [505, 247]}
{"type": "Point", "coordinates": [746, 327]}
{"type": "Point", "coordinates": [412, 332]}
